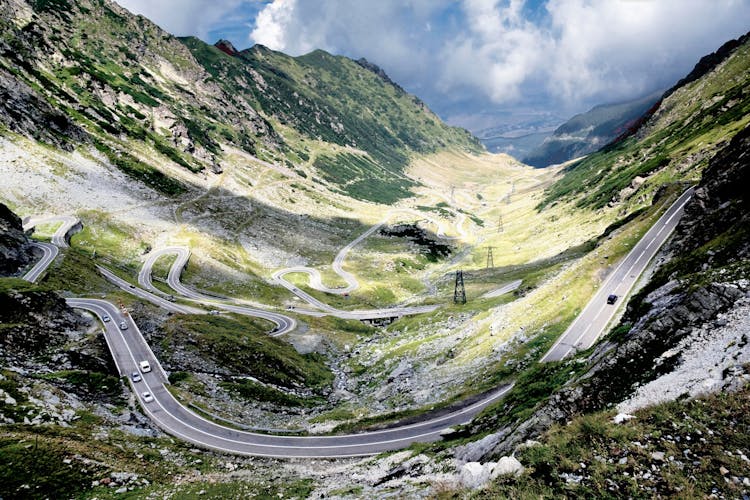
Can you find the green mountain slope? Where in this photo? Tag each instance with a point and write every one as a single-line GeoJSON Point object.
{"type": "Point", "coordinates": [92, 73]}
{"type": "Point", "coordinates": [587, 132]}
{"type": "Point", "coordinates": [340, 101]}
{"type": "Point", "coordinates": [673, 143]}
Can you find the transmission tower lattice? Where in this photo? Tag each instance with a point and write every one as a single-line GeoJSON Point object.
{"type": "Point", "coordinates": [490, 260]}
{"type": "Point", "coordinates": [500, 224]}
{"type": "Point", "coordinates": [459, 293]}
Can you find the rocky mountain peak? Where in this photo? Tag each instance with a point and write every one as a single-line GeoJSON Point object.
{"type": "Point", "coordinates": [227, 47]}
{"type": "Point", "coordinates": [377, 70]}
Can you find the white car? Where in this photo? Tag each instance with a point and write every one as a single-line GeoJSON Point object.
{"type": "Point", "coordinates": [136, 377]}
{"type": "Point", "coordinates": [123, 325]}
{"type": "Point", "coordinates": [105, 318]}
{"type": "Point", "coordinates": [144, 366]}
{"type": "Point", "coordinates": [147, 397]}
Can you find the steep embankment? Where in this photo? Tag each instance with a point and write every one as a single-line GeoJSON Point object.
{"type": "Point", "coordinates": [15, 247]}
{"type": "Point", "coordinates": [333, 99]}
{"type": "Point", "coordinates": [39, 334]}
{"type": "Point", "coordinates": [685, 334]}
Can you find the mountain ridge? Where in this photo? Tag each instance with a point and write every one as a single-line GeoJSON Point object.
{"type": "Point", "coordinates": [122, 79]}
{"type": "Point", "coordinates": [590, 131]}
{"type": "Point", "coordinates": [253, 182]}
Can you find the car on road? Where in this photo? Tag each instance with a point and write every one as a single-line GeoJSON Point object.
{"type": "Point", "coordinates": [611, 299]}
{"type": "Point", "coordinates": [136, 377]}
{"type": "Point", "coordinates": [213, 312]}
{"type": "Point", "coordinates": [144, 366]}
{"type": "Point", "coordinates": [147, 397]}
{"type": "Point", "coordinates": [123, 325]}
{"type": "Point", "coordinates": [105, 318]}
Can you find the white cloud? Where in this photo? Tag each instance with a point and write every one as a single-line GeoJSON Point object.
{"type": "Point", "coordinates": [578, 51]}
{"type": "Point", "coordinates": [385, 31]}
{"type": "Point", "coordinates": [184, 17]}
{"type": "Point", "coordinates": [627, 47]}
{"type": "Point", "coordinates": [272, 24]}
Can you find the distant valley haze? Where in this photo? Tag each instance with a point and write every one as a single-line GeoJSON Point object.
{"type": "Point", "coordinates": [501, 69]}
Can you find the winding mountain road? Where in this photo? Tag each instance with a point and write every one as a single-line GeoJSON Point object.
{"type": "Point", "coordinates": [316, 282]}
{"type": "Point", "coordinates": [129, 348]}
{"type": "Point", "coordinates": [69, 224]}
{"type": "Point", "coordinates": [284, 324]}
{"type": "Point", "coordinates": [146, 295]}
{"type": "Point", "coordinates": [50, 251]}
{"type": "Point", "coordinates": [592, 322]}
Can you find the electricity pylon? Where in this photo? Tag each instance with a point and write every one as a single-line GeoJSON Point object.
{"type": "Point", "coordinates": [459, 292]}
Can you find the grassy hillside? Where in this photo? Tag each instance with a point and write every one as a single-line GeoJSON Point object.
{"type": "Point", "coordinates": [339, 101]}
{"type": "Point", "coordinates": [88, 72]}
{"type": "Point", "coordinates": [646, 457]}
{"type": "Point", "coordinates": [673, 144]}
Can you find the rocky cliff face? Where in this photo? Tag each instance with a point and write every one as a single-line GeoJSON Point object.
{"type": "Point", "coordinates": [35, 323]}
{"type": "Point", "coordinates": [39, 333]}
{"type": "Point", "coordinates": [15, 247]}
{"type": "Point", "coordinates": [694, 309]}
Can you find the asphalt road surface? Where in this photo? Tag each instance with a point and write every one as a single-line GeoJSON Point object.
{"type": "Point", "coordinates": [283, 323]}
{"type": "Point", "coordinates": [513, 285]}
{"type": "Point", "coordinates": [60, 238]}
{"type": "Point", "coordinates": [592, 322]}
{"type": "Point", "coordinates": [50, 252]}
{"type": "Point", "coordinates": [146, 295]}
{"type": "Point", "coordinates": [316, 282]}
{"type": "Point", "coordinates": [387, 312]}
{"type": "Point", "coordinates": [129, 348]}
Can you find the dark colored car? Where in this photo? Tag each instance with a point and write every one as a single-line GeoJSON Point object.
{"type": "Point", "coordinates": [612, 299]}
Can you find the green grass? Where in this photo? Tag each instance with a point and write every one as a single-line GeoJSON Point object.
{"type": "Point", "coordinates": [16, 284]}
{"type": "Point", "coordinates": [242, 345]}
{"type": "Point", "coordinates": [239, 488]}
{"type": "Point", "coordinates": [694, 120]}
{"type": "Point", "coordinates": [35, 469]}
{"type": "Point", "coordinates": [94, 383]}
{"type": "Point", "coordinates": [76, 273]}
{"type": "Point", "coordinates": [335, 100]}
{"type": "Point", "coordinates": [337, 414]}
{"type": "Point", "coordinates": [138, 170]}
{"type": "Point", "coordinates": [254, 391]}
{"type": "Point", "coordinates": [533, 386]}
{"type": "Point", "coordinates": [362, 178]}
{"type": "Point", "coordinates": [615, 460]}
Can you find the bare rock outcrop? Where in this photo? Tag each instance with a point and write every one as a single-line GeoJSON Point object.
{"type": "Point", "coordinates": [15, 247]}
